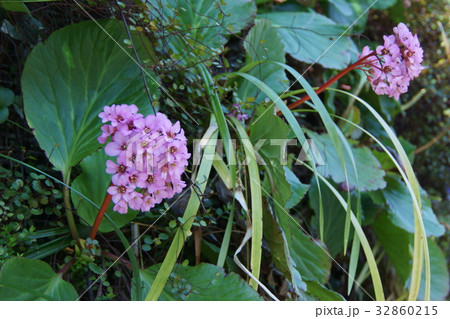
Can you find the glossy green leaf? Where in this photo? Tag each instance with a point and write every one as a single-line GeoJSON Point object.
{"type": "Point", "coordinates": [400, 208]}
{"type": "Point", "coordinates": [439, 274]}
{"type": "Point", "coordinates": [395, 242]}
{"type": "Point", "coordinates": [346, 12]}
{"type": "Point", "coordinates": [93, 183]}
{"type": "Point", "coordinates": [320, 292]}
{"type": "Point", "coordinates": [383, 4]}
{"type": "Point", "coordinates": [69, 78]}
{"type": "Point", "coordinates": [16, 6]}
{"type": "Point", "coordinates": [310, 37]}
{"type": "Point", "coordinates": [279, 250]}
{"type": "Point", "coordinates": [309, 256]}
{"type": "Point", "coordinates": [205, 26]}
{"type": "Point", "coordinates": [298, 188]}
{"type": "Point", "coordinates": [370, 174]}
{"type": "Point", "coordinates": [6, 99]}
{"type": "Point", "coordinates": [264, 44]}
{"type": "Point", "coordinates": [268, 133]}
{"type": "Point", "coordinates": [204, 282]}
{"type": "Point", "coordinates": [26, 279]}
{"type": "Point", "coordinates": [334, 216]}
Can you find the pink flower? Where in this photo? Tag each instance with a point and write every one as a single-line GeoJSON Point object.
{"type": "Point", "coordinates": [394, 64]}
{"type": "Point", "coordinates": [119, 193]}
{"type": "Point", "coordinates": [118, 144]}
{"type": "Point", "coordinates": [135, 201]}
{"type": "Point", "coordinates": [131, 125]}
{"type": "Point", "coordinates": [107, 130]}
{"type": "Point", "coordinates": [119, 171]}
{"type": "Point", "coordinates": [154, 183]}
{"type": "Point", "coordinates": [147, 203]}
{"type": "Point", "coordinates": [121, 207]}
{"type": "Point", "coordinates": [237, 112]}
{"type": "Point", "coordinates": [137, 179]}
{"type": "Point", "coordinates": [108, 113]}
{"type": "Point", "coordinates": [151, 157]}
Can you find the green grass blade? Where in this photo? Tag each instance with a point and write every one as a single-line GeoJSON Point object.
{"type": "Point", "coordinates": [420, 241]}
{"type": "Point", "coordinates": [376, 280]}
{"type": "Point", "coordinates": [226, 239]}
{"type": "Point", "coordinates": [222, 170]}
{"type": "Point", "coordinates": [191, 210]}
{"type": "Point", "coordinates": [292, 121]}
{"type": "Point", "coordinates": [220, 118]}
{"type": "Point", "coordinates": [338, 141]}
{"type": "Point", "coordinates": [256, 200]}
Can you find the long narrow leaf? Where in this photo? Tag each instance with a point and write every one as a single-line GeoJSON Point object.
{"type": "Point", "coordinates": [376, 280]}
{"type": "Point", "coordinates": [222, 170]}
{"type": "Point", "coordinates": [420, 241]}
{"type": "Point", "coordinates": [256, 199]}
{"type": "Point", "coordinates": [220, 118]}
{"type": "Point", "coordinates": [191, 210]}
{"type": "Point", "coordinates": [292, 121]}
{"type": "Point", "coordinates": [338, 141]}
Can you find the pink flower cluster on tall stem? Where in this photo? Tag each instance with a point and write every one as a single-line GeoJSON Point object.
{"type": "Point", "coordinates": [394, 64]}
{"type": "Point", "coordinates": [389, 68]}
{"type": "Point", "coordinates": [151, 157]}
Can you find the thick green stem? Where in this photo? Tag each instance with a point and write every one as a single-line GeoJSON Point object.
{"type": "Point", "coordinates": [68, 206]}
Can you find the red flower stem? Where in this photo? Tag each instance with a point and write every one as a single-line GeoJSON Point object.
{"type": "Point", "coordinates": [66, 267]}
{"type": "Point", "coordinates": [100, 214]}
{"type": "Point", "coordinates": [111, 256]}
{"type": "Point", "coordinates": [330, 81]}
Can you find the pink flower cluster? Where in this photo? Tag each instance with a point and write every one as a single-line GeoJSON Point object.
{"type": "Point", "coordinates": [395, 63]}
{"type": "Point", "coordinates": [151, 157]}
{"type": "Point", "coordinates": [237, 112]}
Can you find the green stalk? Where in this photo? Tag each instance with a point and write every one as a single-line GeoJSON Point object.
{"type": "Point", "coordinates": [376, 280]}
{"type": "Point", "coordinates": [220, 118]}
{"type": "Point", "coordinates": [222, 170]}
{"type": "Point", "coordinates": [256, 199]}
{"type": "Point", "coordinates": [420, 242]}
{"type": "Point", "coordinates": [191, 210]}
{"type": "Point", "coordinates": [226, 239]}
{"type": "Point", "coordinates": [68, 207]}
{"type": "Point", "coordinates": [335, 134]}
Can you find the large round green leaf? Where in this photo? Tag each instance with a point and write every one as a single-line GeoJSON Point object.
{"type": "Point", "coordinates": [370, 175]}
{"type": "Point", "coordinates": [333, 216]}
{"type": "Point", "coordinates": [28, 279]}
{"type": "Point", "coordinates": [398, 253]}
{"type": "Point", "coordinates": [439, 274]}
{"type": "Point", "coordinates": [204, 282]}
{"type": "Point", "coordinates": [93, 183]}
{"type": "Point", "coordinates": [205, 25]}
{"type": "Point", "coordinates": [400, 208]}
{"type": "Point", "coordinates": [68, 79]}
{"type": "Point", "coordinates": [263, 44]}
{"type": "Point", "coordinates": [309, 36]}
{"type": "Point", "coordinates": [6, 99]}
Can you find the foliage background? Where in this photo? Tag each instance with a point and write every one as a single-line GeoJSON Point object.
{"type": "Point", "coordinates": [37, 201]}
